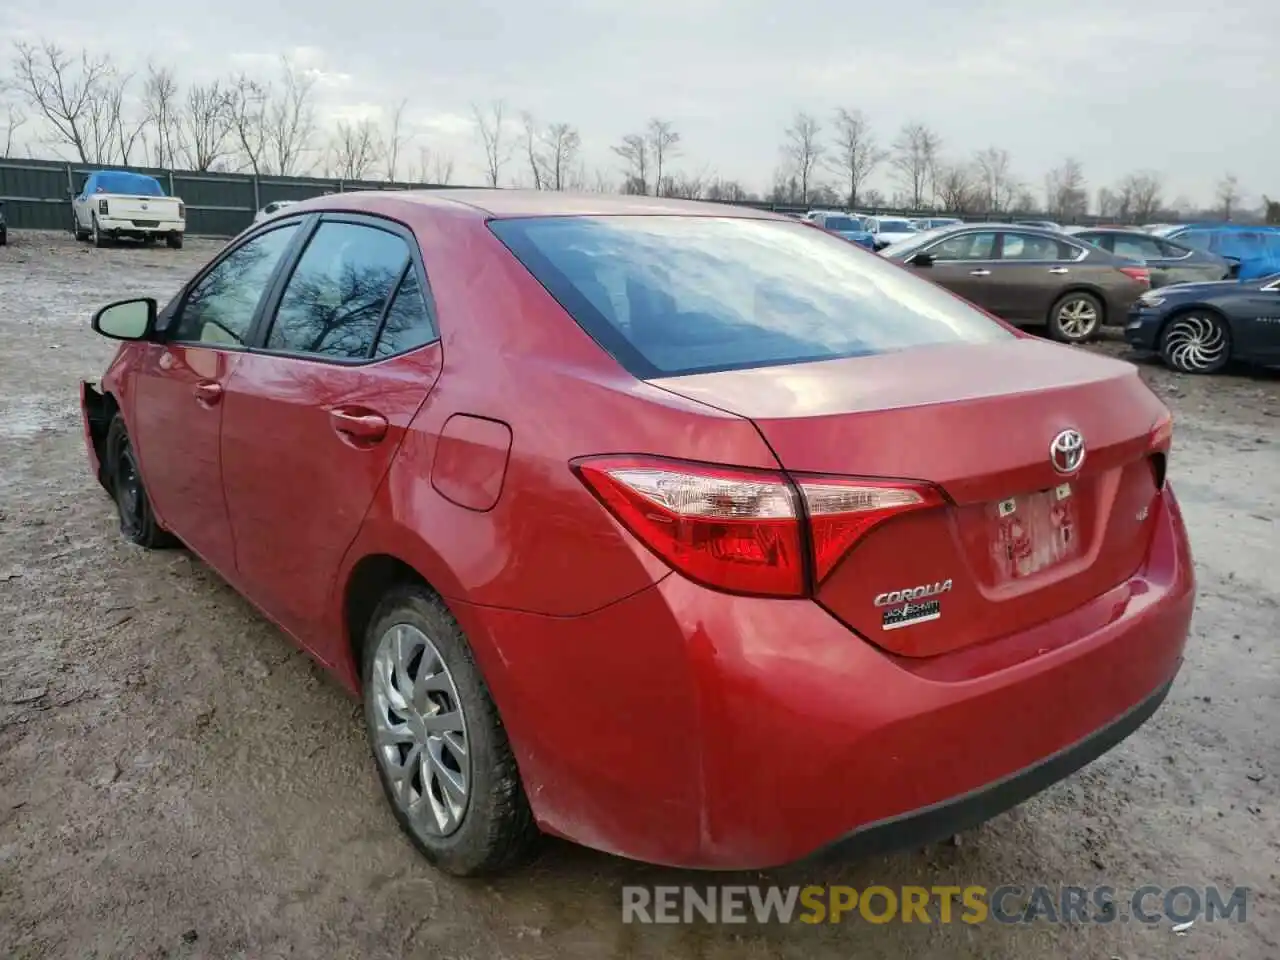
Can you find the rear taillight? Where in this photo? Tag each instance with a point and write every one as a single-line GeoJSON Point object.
{"type": "Point", "coordinates": [182, 211]}
{"type": "Point", "coordinates": [102, 207]}
{"type": "Point", "coordinates": [756, 532]}
{"type": "Point", "coordinates": [1141, 274]}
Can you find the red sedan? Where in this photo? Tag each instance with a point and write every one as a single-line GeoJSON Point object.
{"type": "Point", "coordinates": [683, 531]}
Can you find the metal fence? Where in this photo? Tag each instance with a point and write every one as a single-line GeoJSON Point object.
{"type": "Point", "coordinates": [37, 193]}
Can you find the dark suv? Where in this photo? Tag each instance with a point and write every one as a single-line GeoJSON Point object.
{"type": "Point", "coordinates": [1028, 275]}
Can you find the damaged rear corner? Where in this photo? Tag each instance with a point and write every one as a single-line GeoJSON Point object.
{"type": "Point", "coordinates": [96, 409]}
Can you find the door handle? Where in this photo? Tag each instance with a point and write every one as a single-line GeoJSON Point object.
{"type": "Point", "coordinates": [1059, 270]}
{"type": "Point", "coordinates": [208, 392]}
{"type": "Point", "coordinates": [368, 427]}
{"type": "Point", "coordinates": [979, 273]}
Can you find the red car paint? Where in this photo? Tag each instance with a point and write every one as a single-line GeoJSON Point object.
{"type": "Point", "coordinates": [652, 715]}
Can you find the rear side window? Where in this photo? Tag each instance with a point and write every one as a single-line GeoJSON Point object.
{"type": "Point", "coordinates": [1142, 248]}
{"type": "Point", "coordinates": [409, 322]}
{"type": "Point", "coordinates": [334, 302]}
{"type": "Point", "coordinates": [668, 296]}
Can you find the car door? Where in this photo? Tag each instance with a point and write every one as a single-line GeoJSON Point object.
{"type": "Point", "coordinates": [963, 264]}
{"type": "Point", "coordinates": [347, 352]}
{"type": "Point", "coordinates": [178, 391]}
{"type": "Point", "coordinates": [1032, 272]}
{"type": "Point", "coordinates": [1256, 328]}
{"type": "Point", "coordinates": [80, 204]}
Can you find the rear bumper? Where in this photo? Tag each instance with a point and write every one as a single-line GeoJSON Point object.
{"type": "Point", "coordinates": [691, 728]}
{"type": "Point", "coordinates": [140, 228]}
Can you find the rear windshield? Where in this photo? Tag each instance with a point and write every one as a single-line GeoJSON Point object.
{"type": "Point", "coordinates": [668, 296]}
{"type": "Point", "coordinates": [897, 226]}
{"type": "Point", "coordinates": [843, 223]}
{"type": "Point", "coordinates": [130, 184]}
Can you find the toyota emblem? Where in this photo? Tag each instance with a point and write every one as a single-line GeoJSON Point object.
{"type": "Point", "coordinates": [1067, 451]}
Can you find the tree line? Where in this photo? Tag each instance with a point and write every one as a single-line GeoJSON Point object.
{"type": "Point", "coordinates": [85, 106]}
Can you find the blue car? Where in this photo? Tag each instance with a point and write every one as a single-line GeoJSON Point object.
{"type": "Point", "coordinates": [1200, 327]}
{"type": "Point", "coordinates": [844, 225]}
{"type": "Point", "coordinates": [1255, 248]}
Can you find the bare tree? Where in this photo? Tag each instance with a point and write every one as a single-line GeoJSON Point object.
{"type": "Point", "coordinates": [246, 108]}
{"type": "Point", "coordinates": [395, 140]}
{"type": "Point", "coordinates": [433, 167]}
{"type": "Point", "coordinates": [532, 146]}
{"type": "Point", "coordinates": [126, 130]}
{"type": "Point", "coordinates": [562, 142]}
{"type": "Point", "coordinates": [664, 142]}
{"type": "Point", "coordinates": [855, 155]}
{"type": "Point", "coordinates": [14, 119]}
{"type": "Point", "coordinates": [355, 149]}
{"type": "Point", "coordinates": [957, 188]}
{"type": "Point", "coordinates": [62, 89]}
{"type": "Point", "coordinates": [1108, 204]}
{"type": "Point", "coordinates": [290, 119]}
{"type": "Point", "coordinates": [727, 190]}
{"type": "Point", "coordinates": [997, 185]}
{"type": "Point", "coordinates": [1064, 189]}
{"type": "Point", "coordinates": [1024, 200]}
{"type": "Point", "coordinates": [206, 125]}
{"type": "Point", "coordinates": [873, 199]}
{"type": "Point", "coordinates": [914, 158]}
{"type": "Point", "coordinates": [1144, 190]}
{"type": "Point", "coordinates": [634, 149]}
{"type": "Point", "coordinates": [803, 150]}
{"type": "Point", "coordinates": [492, 134]}
{"type": "Point", "coordinates": [1228, 194]}
{"type": "Point", "coordinates": [162, 115]}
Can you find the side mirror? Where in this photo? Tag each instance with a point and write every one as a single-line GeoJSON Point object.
{"type": "Point", "coordinates": [127, 319]}
{"type": "Point", "coordinates": [921, 259]}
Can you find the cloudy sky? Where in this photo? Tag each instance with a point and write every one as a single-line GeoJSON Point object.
{"type": "Point", "coordinates": [1188, 89]}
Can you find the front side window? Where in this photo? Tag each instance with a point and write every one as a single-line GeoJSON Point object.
{"type": "Point", "coordinates": [669, 296]}
{"type": "Point", "coordinates": [220, 308]}
{"type": "Point", "coordinates": [966, 246]}
{"type": "Point", "coordinates": [336, 296]}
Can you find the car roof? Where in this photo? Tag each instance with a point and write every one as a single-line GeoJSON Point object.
{"type": "Point", "coordinates": [502, 203]}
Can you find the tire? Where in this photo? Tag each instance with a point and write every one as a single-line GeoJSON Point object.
{"type": "Point", "coordinates": [1197, 341]}
{"type": "Point", "coordinates": [175, 241]}
{"type": "Point", "coordinates": [76, 232]}
{"type": "Point", "coordinates": [99, 239]}
{"type": "Point", "coordinates": [487, 826]}
{"type": "Point", "coordinates": [1075, 317]}
{"type": "Point", "coordinates": [138, 521]}
{"type": "Point", "coordinates": [4, 236]}
{"type": "Point", "coordinates": [149, 239]}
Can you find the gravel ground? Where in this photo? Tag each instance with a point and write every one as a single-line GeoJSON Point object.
{"type": "Point", "coordinates": [176, 780]}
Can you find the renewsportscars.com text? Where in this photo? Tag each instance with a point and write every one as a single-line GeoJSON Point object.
{"type": "Point", "coordinates": [1010, 903]}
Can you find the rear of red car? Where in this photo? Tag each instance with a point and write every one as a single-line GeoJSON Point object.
{"type": "Point", "coordinates": [965, 577]}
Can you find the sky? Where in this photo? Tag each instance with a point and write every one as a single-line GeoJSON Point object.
{"type": "Point", "coordinates": [1189, 90]}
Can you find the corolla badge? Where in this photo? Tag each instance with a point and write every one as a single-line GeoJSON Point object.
{"type": "Point", "coordinates": [1067, 451]}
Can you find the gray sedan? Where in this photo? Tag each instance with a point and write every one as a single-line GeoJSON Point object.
{"type": "Point", "coordinates": [1168, 260]}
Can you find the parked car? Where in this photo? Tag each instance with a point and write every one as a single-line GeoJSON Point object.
{"type": "Point", "coordinates": [114, 203]}
{"type": "Point", "coordinates": [930, 223]}
{"type": "Point", "coordinates": [1255, 248]}
{"type": "Point", "coordinates": [1167, 260]}
{"type": "Point", "coordinates": [1041, 224]}
{"type": "Point", "coordinates": [584, 533]}
{"type": "Point", "coordinates": [4, 227]}
{"type": "Point", "coordinates": [1029, 275]}
{"type": "Point", "coordinates": [889, 230]}
{"type": "Point", "coordinates": [1200, 327]}
{"type": "Point", "coordinates": [272, 208]}
{"type": "Point", "coordinates": [843, 225]}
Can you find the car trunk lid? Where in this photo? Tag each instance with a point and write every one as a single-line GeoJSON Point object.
{"type": "Point", "coordinates": [1018, 541]}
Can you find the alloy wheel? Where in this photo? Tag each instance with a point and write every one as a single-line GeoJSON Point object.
{"type": "Point", "coordinates": [1196, 343]}
{"type": "Point", "coordinates": [420, 732]}
{"type": "Point", "coordinates": [1077, 318]}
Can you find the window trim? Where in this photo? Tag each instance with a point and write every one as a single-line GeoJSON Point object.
{"type": "Point", "coordinates": [266, 317]}
{"type": "Point", "coordinates": [172, 315]}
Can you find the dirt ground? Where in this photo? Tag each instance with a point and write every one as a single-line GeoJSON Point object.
{"type": "Point", "coordinates": [176, 780]}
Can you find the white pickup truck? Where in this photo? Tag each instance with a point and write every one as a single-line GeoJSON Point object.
{"type": "Point", "coordinates": [115, 204]}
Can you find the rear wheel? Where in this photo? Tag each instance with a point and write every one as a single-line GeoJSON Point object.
{"type": "Point", "coordinates": [441, 751]}
{"type": "Point", "coordinates": [175, 241]}
{"type": "Point", "coordinates": [1075, 318]}
{"type": "Point", "coordinates": [1196, 342]}
{"type": "Point", "coordinates": [75, 229]}
{"type": "Point", "coordinates": [137, 519]}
